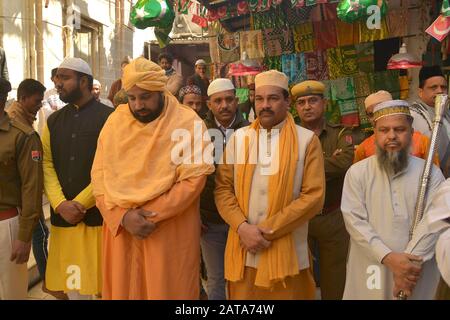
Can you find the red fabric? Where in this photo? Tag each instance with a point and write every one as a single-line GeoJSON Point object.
{"type": "Point", "coordinates": [325, 34]}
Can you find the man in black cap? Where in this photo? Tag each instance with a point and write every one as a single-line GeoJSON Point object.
{"type": "Point", "coordinates": [431, 83]}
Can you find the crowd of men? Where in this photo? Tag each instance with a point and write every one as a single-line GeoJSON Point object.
{"type": "Point", "coordinates": [170, 178]}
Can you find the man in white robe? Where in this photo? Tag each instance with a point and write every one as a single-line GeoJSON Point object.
{"type": "Point", "coordinates": [378, 204]}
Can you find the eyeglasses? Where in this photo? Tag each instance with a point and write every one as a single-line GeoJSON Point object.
{"type": "Point", "coordinates": [311, 101]}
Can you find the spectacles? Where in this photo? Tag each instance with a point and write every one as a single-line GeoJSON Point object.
{"type": "Point", "coordinates": [311, 101]}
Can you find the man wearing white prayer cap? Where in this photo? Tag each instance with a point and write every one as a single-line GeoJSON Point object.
{"type": "Point", "coordinates": [378, 202]}
{"type": "Point", "coordinates": [224, 118]}
{"type": "Point", "coordinates": [69, 141]}
{"type": "Point", "coordinates": [97, 91]}
{"type": "Point", "coordinates": [200, 79]}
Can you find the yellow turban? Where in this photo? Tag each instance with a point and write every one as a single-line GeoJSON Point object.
{"type": "Point", "coordinates": [145, 74]}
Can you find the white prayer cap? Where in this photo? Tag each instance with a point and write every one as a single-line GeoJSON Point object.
{"type": "Point", "coordinates": [200, 61]}
{"type": "Point", "coordinates": [96, 83]}
{"type": "Point", "coordinates": [272, 78]}
{"type": "Point", "coordinates": [220, 85]}
{"type": "Point", "coordinates": [76, 64]}
{"type": "Point", "coordinates": [389, 108]}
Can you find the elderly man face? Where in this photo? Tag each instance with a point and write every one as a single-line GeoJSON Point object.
{"type": "Point", "coordinates": [223, 105]}
{"type": "Point", "coordinates": [145, 105]}
{"type": "Point", "coordinates": [193, 101]}
{"type": "Point", "coordinates": [271, 104]}
{"type": "Point", "coordinates": [310, 108]}
{"type": "Point", "coordinates": [432, 87]}
{"type": "Point", "coordinates": [393, 135]}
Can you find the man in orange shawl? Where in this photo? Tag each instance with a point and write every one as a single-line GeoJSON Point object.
{"type": "Point", "coordinates": [268, 202]}
{"type": "Point", "coordinates": [420, 142]}
{"type": "Point", "coordinates": [148, 197]}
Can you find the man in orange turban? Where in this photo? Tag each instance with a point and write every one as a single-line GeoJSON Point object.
{"type": "Point", "coordinates": [148, 191]}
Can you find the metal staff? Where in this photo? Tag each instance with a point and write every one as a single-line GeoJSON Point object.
{"type": "Point", "coordinates": [440, 106]}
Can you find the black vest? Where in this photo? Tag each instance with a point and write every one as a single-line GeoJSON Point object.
{"type": "Point", "coordinates": [73, 135]}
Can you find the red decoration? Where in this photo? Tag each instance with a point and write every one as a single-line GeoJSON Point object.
{"type": "Point", "coordinates": [440, 28]}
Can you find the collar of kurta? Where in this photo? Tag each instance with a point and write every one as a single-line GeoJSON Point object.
{"type": "Point", "coordinates": [84, 106]}
{"type": "Point", "coordinates": [4, 122]}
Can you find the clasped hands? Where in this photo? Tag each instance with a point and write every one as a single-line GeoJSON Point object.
{"type": "Point", "coordinates": [406, 269]}
{"type": "Point", "coordinates": [252, 237]}
{"type": "Point", "coordinates": [136, 222]}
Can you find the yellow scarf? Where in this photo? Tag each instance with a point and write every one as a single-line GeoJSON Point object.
{"type": "Point", "coordinates": [135, 162]}
{"type": "Point", "coordinates": [280, 259]}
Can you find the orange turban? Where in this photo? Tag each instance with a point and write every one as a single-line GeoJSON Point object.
{"type": "Point", "coordinates": [145, 74]}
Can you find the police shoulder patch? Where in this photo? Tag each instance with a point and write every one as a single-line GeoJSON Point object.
{"type": "Point", "coordinates": [36, 155]}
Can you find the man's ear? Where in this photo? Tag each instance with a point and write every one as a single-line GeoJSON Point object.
{"type": "Point", "coordinates": [420, 93]}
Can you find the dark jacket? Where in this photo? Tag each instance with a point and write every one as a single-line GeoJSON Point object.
{"type": "Point", "coordinates": [208, 209]}
{"type": "Point", "coordinates": [73, 134]}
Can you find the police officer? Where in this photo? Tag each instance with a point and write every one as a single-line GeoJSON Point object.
{"type": "Point", "coordinates": [21, 185]}
{"type": "Point", "coordinates": [327, 231]}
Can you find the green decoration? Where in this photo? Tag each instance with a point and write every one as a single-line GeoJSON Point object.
{"type": "Point", "coordinates": [152, 13]}
{"type": "Point", "coordinates": [353, 10]}
{"type": "Point", "coordinates": [445, 10]}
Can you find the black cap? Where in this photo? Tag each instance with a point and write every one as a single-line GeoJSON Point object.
{"type": "Point", "coordinates": [429, 72]}
{"type": "Point", "coordinates": [5, 86]}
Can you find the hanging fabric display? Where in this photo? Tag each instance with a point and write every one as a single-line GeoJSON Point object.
{"type": "Point", "coordinates": [365, 53]}
{"type": "Point", "coordinates": [332, 113]}
{"type": "Point", "coordinates": [272, 43]}
{"type": "Point", "coordinates": [298, 16]}
{"type": "Point", "coordinates": [347, 33]}
{"type": "Point", "coordinates": [273, 63]}
{"type": "Point", "coordinates": [342, 62]}
{"type": "Point", "coordinates": [251, 42]}
{"type": "Point", "coordinates": [343, 91]}
{"type": "Point", "coordinates": [214, 50]}
{"type": "Point", "coordinates": [304, 37]}
{"type": "Point", "coordinates": [325, 34]}
{"type": "Point", "coordinates": [367, 35]}
{"type": "Point", "coordinates": [293, 65]}
{"type": "Point", "coordinates": [316, 65]}
{"type": "Point", "coordinates": [228, 46]}
{"type": "Point", "coordinates": [398, 22]}
{"type": "Point", "coordinates": [362, 90]}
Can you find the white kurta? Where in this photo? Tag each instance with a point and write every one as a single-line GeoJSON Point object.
{"type": "Point", "coordinates": [439, 220]}
{"type": "Point", "coordinates": [378, 211]}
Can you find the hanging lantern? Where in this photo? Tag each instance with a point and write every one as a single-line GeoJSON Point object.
{"type": "Point", "coordinates": [403, 60]}
{"type": "Point", "coordinates": [353, 10]}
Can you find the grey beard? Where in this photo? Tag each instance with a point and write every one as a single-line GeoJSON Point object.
{"type": "Point", "coordinates": [393, 162]}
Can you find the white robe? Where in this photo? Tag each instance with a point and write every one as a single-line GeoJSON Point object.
{"type": "Point", "coordinates": [378, 211]}
{"type": "Point", "coordinates": [439, 220]}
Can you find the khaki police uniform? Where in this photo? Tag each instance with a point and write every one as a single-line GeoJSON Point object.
{"type": "Point", "coordinates": [21, 186]}
{"type": "Point", "coordinates": [327, 235]}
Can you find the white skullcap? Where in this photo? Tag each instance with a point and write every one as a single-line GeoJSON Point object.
{"type": "Point", "coordinates": [200, 61]}
{"type": "Point", "coordinates": [96, 83]}
{"type": "Point", "coordinates": [220, 85]}
{"type": "Point", "coordinates": [272, 78]}
{"type": "Point", "coordinates": [389, 108]}
{"type": "Point", "coordinates": [76, 64]}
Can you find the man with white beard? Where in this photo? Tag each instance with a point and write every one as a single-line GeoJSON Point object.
{"type": "Point", "coordinates": [378, 204]}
